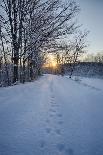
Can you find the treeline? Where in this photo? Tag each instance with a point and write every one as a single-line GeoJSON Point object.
{"type": "Point", "coordinates": [86, 69]}
{"type": "Point", "coordinates": [98, 57]}
{"type": "Point", "coordinates": [31, 28]}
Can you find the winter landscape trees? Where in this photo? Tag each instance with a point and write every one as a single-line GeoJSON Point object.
{"type": "Point", "coordinates": [59, 114]}
{"type": "Point", "coordinates": [28, 28]}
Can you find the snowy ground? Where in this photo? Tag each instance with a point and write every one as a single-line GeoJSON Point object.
{"type": "Point", "coordinates": [52, 116]}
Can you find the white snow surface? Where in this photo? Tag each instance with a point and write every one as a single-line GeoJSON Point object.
{"type": "Point", "coordinates": [54, 115]}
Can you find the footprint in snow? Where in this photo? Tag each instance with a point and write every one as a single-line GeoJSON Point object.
{"type": "Point", "coordinates": [48, 130]}
{"type": "Point", "coordinates": [69, 151]}
{"type": "Point", "coordinates": [42, 144]}
{"type": "Point", "coordinates": [60, 147]}
{"type": "Point", "coordinates": [52, 110]}
{"type": "Point", "coordinates": [52, 101]}
{"type": "Point", "coordinates": [47, 121]}
{"type": "Point", "coordinates": [51, 115]}
{"type": "Point", "coordinates": [60, 122]}
{"type": "Point", "coordinates": [54, 105]}
{"type": "Point", "coordinates": [58, 131]}
{"type": "Point", "coordinates": [59, 115]}
{"type": "Point", "coordinates": [52, 97]}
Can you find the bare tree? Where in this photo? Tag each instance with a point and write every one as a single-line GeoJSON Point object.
{"type": "Point", "coordinates": [30, 26]}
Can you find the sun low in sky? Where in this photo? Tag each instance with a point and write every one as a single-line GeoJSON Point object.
{"type": "Point", "coordinates": [51, 61]}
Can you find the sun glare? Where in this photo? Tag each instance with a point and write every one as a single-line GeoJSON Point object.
{"type": "Point", "coordinates": [54, 64]}
{"type": "Point", "coordinates": [51, 61]}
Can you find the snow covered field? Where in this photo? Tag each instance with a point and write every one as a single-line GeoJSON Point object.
{"type": "Point", "coordinates": [52, 116]}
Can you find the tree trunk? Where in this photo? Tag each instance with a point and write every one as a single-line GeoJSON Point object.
{"type": "Point", "coordinates": [23, 71]}
{"type": "Point", "coordinates": [15, 78]}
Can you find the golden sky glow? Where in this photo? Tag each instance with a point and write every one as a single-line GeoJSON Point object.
{"type": "Point", "coordinates": [51, 61]}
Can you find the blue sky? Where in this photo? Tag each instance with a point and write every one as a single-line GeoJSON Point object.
{"type": "Point", "coordinates": [91, 16]}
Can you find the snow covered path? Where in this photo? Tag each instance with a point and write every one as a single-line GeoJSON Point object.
{"type": "Point", "coordinates": [52, 116]}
